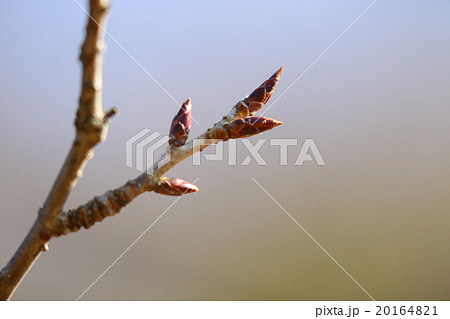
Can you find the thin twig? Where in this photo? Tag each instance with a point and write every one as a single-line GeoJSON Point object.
{"type": "Point", "coordinates": [91, 128]}
{"type": "Point", "coordinates": [236, 124]}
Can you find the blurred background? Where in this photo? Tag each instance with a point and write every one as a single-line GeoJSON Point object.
{"type": "Point", "coordinates": [376, 105]}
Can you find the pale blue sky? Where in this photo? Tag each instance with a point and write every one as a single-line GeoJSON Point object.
{"type": "Point", "coordinates": [376, 104]}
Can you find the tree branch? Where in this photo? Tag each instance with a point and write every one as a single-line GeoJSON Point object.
{"type": "Point", "coordinates": [91, 128]}
{"type": "Point", "coordinates": [234, 125]}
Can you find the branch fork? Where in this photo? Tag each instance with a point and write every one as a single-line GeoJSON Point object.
{"type": "Point", "coordinates": [91, 127]}
{"type": "Point", "coordinates": [237, 124]}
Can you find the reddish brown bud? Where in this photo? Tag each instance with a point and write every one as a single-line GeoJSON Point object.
{"type": "Point", "coordinates": [250, 126]}
{"type": "Point", "coordinates": [174, 187]}
{"type": "Point", "coordinates": [262, 94]}
{"type": "Point", "coordinates": [181, 124]}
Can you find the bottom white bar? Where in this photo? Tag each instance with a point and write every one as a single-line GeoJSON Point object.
{"type": "Point", "coordinates": [225, 309]}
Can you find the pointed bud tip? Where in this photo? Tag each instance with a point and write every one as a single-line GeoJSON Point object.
{"type": "Point", "coordinates": [279, 122]}
{"type": "Point", "coordinates": [175, 187]}
{"type": "Point", "coordinates": [278, 73]}
{"type": "Point", "coordinates": [255, 120]}
{"type": "Point", "coordinates": [181, 125]}
{"type": "Point", "coordinates": [186, 107]}
{"type": "Point", "coordinates": [262, 94]}
{"type": "Point", "coordinates": [183, 186]}
{"type": "Point", "coordinates": [250, 126]}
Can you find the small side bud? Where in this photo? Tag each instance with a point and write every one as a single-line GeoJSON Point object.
{"type": "Point", "coordinates": [262, 94]}
{"type": "Point", "coordinates": [250, 126]}
{"type": "Point", "coordinates": [181, 125]}
{"type": "Point", "coordinates": [174, 187]}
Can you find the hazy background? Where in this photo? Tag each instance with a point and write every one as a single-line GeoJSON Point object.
{"type": "Point", "coordinates": [376, 105]}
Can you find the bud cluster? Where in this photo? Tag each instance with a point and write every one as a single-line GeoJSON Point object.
{"type": "Point", "coordinates": [239, 123]}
